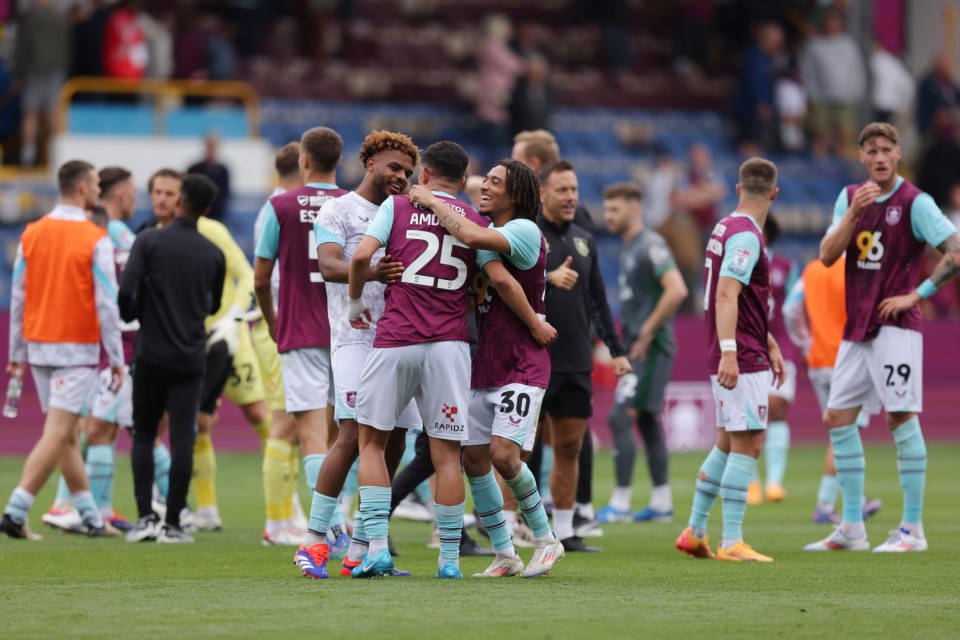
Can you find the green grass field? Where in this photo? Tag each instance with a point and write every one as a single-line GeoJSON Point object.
{"type": "Point", "coordinates": [228, 586]}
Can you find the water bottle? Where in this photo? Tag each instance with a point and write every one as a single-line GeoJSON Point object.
{"type": "Point", "coordinates": [12, 405]}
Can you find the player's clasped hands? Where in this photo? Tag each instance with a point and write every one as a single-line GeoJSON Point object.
{"type": "Point", "coordinates": [564, 277]}
{"type": "Point", "coordinates": [864, 196]}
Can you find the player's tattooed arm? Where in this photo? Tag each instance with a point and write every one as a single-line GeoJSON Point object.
{"type": "Point", "coordinates": [512, 294]}
{"type": "Point", "coordinates": [457, 225]}
{"type": "Point", "coordinates": [949, 265]}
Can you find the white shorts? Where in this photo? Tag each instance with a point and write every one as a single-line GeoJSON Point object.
{"type": "Point", "coordinates": [115, 407]}
{"type": "Point", "coordinates": [820, 381]}
{"type": "Point", "coordinates": [788, 391]}
{"type": "Point", "coordinates": [435, 374]}
{"type": "Point", "coordinates": [347, 362]}
{"type": "Point", "coordinates": [887, 371]}
{"type": "Point", "coordinates": [510, 412]}
{"type": "Point", "coordinates": [65, 388]}
{"type": "Point", "coordinates": [307, 379]}
{"type": "Point", "coordinates": [743, 408]}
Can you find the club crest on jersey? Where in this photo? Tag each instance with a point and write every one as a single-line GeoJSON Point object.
{"type": "Point", "coordinates": [762, 411]}
{"type": "Point", "coordinates": [352, 399]}
{"type": "Point", "coordinates": [303, 200]}
{"type": "Point", "coordinates": [582, 246]}
{"type": "Point", "coordinates": [894, 213]}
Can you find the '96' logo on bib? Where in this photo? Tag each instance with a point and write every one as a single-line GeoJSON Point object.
{"type": "Point", "coordinates": [871, 250]}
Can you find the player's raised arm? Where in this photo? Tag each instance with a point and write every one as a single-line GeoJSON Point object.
{"type": "Point", "coordinates": [461, 228]}
{"type": "Point", "coordinates": [838, 236]}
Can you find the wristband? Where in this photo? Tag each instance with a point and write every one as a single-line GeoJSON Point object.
{"type": "Point", "coordinates": [728, 345]}
{"type": "Point", "coordinates": [926, 288]}
{"type": "Point", "coordinates": [355, 307]}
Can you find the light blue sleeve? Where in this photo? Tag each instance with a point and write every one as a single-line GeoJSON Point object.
{"type": "Point", "coordinates": [740, 255]}
{"type": "Point", "coordinates": [484, 256]}
{"type": "Point", "coordinates": [839, 209]}
{"type": "Point", "coordinates": [382, 224]}
{"type": "Point", "coordinates": [524, 239]}
{"type": "Point", "coordinates": [269, 244]}
{"type": "Point", "coordinates": [928, 222]}
{"type": "Point", "coordinates": [120, 235]}
{"type": "Point", "coordinates": [323, 235]}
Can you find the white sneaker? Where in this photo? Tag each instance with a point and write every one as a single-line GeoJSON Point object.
{"type": "Point", "coordinates": [412, 509]}
{"type": "Point", "coordinates": [544, 557]}
{"type": "Point", "coordinates": [159, 504]}
{"type": "Point", "coordinates": [434, 542]}
{"type": "Point", "coordinates": [285, 538]}
{"type": "Point", "coordinates": [66, 520]}
{"type": "Point", "coordinates": [146, 528]}
{"type": "Point", "coordinates": [469, 520]}
{"type": "Point", "coordinates": [901, 541]}
{"type": "Point", "coordinates": [187, 518]}
{"type": "Point", "coordinates": [502, 568]}
{"type": "Point", "coordinates": [838, 541]}
{"type": "Point", "coordinates": [206, 519]}
{"type": "Point", "coordinates": [170, 534]}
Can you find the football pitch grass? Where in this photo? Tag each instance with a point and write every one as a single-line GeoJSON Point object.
{"type": "Point", "coordinates": [228, 586]}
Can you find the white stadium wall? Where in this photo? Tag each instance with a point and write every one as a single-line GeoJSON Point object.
{"type": "Point", "coordinates": [250, 160]}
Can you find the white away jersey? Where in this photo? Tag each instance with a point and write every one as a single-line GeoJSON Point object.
{"type": "Point", "coordinates": [345, 221]}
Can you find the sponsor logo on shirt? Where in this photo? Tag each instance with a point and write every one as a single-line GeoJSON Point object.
{"type": "Point", "coordinates": [740, 261]}
{"type": "Point", "coordinates": [719, 230]}
{"type": "Point", "coordinates": [715, 247]}
{"type": "Point", "coordinates": [871, 250]}
{"type": "Point", "coordinates": [450, 413]}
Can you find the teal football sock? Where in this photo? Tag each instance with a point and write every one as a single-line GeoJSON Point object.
{"type": "Point", "coordinates": [524, 488]}
{"type": "Point", "coordinates": [161, 469]}
{"type": "Point", "coordinates": [83, 501]}
{"type": "Point", "coordinates": [912, 465]}
{"type": "Point", "coordinates": [486, 495]}
{"type": "Point", "coordinates": [829, 490]}
{"type": "Point", "coordinates": [450, 525]}
{"type": "Point", "coordinates": [707, 488]}
{"type": "Point", "coordinates": [733, 493]}
{"type": "Point", "coordinates": [851, 466]}
{"type": "Point", "coordinates": [311, 469]}
{"type": "Point", "coordinates": [19, 505]}
{"type": "Point", "coordinates": [375, 509]}
{"type": "Point", "coordinates": [775, 450]}
{"type": "Point", "coordinates": [100, 473]}
{"type": "Point", "coordinates": [322, 509]}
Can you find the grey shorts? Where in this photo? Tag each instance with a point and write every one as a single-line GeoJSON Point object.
{"type": "Point", "coordinates": [41, 90]}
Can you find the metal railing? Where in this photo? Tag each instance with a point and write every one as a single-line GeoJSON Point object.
{"type": "Point", "coordinates": [166, 93]}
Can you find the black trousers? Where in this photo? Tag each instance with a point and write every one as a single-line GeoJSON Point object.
{"type": "Point", "coordinates": [157, 389]}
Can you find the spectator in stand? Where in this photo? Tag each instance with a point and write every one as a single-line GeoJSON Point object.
{"type": "Point", "coordinates": [703, 190]}
{"type": "Point", "coordinates": [834, 74]}
{"type": "Point", "coordinates": [754, 106]}
{"type": "Point", "coordinates": [659, 190]}
{"type": "Point", "coordinates": [211, 167]}
{"type": "Point", "coordinates": [88, 23]}
{"type": "Point", "coordinates": [124, 49]}
{"type": "Point", "coordinates": [190, 46]}
{"type": "Point", "coordinates": [892, 84]}
{"type": "Point", "coordinates": [937, 91]}
{"type": "Point", "coordinates": [939, 167]}
{"type": "Point", "coordinates": [532, 103]}
{"type": "Point", "coordinates": [9, 112]}
{"type": "Point", "coordinates": [499, 68]}
{"type": "Point", "coordinates": [159, 38]}
{"type": "Point", "coordinates": [42, 62]}
{"type": "Point", "coordinates": [791, 107]}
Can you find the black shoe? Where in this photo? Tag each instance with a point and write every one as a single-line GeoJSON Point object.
{"type": "Point", "coordinates": [575, 543]}
{"type": "Point", "coordinates": [11, 528]}
{"type": "Point", "coordinates": [170, 534]}
{"type": "Point", "coordinates": [96, 532]}
{"type": "Point", "coordinates": [392, 549]}
{"type": "Point", "coordinates": [469, 547]}
{"type": "Point", "coordinates": [586, 527]}
{"type": "Point", "coordinates": [481, 528]}
{"type": "Point", "coordinates": [146, 528]}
